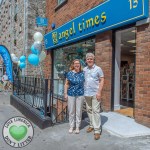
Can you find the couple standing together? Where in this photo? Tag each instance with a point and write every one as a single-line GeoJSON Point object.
{"type": "Point", "coordinates": [84, 84]}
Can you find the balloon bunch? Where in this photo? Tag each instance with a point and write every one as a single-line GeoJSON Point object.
{"type": "Point", "coordinates": [20, 62]}
{"type": "Point", "coordinates": [37, 54]}
{"type": "Point", "coordinates": [14, 58]}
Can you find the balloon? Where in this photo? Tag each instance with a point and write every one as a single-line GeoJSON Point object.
{"type": "Point", "coordinates": [53, 25]}
{"type": "Point", "coordinates": [15, 59]}
{"type": "Point", "coordinates": [33, 59]}
{"type": "Point", "coordinates": [38, 36]}
{"type": "Point", "coordinates": [22, 58]}
{"type": "Point", "coordinates": [38, 45]}
{"type": "Point", "coordinates": [42, 56]}
{"type": "Point", "coordinates": [18, 62]}
{"type": "Point", "coordinates": [22, 65]}
{"type": "Point", "coordinates": [12, 55]}
{"type": "Point", "coordinates": [34, 51]}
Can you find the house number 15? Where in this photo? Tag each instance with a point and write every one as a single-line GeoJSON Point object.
{"type": "Point", "coordinates": [133, 3]}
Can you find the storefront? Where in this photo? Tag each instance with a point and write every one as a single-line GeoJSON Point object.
{"type": "Point", "coordinates": [113, 33]}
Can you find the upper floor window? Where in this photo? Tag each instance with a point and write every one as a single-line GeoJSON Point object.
{"type": "Point", "coordinates": [60, 1]}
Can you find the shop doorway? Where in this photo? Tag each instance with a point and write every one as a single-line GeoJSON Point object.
{"type": "Point", "coordinates": [125, 54]}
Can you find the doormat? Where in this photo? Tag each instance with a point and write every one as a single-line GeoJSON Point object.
{"type": "Point", "coordinates": [126, 111]}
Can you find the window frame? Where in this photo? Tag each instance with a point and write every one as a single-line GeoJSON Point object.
{"type": "Point", "coordinates": [59, 5]}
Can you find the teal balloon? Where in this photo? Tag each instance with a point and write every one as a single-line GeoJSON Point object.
{"type": "Point", "coordinates": [34, 50]}
{"type": "Point", "coordinates": [33, 59]}
{"type": "Point", "coordinates": [22, 65]}
{"type": "Point", "coordinates": [22, 58]}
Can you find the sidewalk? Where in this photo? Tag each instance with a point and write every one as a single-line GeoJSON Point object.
{"type": "Point", "coordinates": [58, 138]}
{"type": "Point", "coordinates": [123, 126]}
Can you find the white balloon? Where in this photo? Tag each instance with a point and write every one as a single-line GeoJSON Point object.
{"type": "Point", "coordinates": [18, 62]}
{"type": "Point", "coordinates": [15, 59]}
{"type": "Point", "coordinates": [38, 45]}
{"type": "Point", "coordinates": [38, 36]}
{"type": "Point", "coordinates": [12, 55]}
{"type": "Point", "coordinates": [42, 56]}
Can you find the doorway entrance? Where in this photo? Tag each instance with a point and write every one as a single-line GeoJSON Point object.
{"type": "Point", "coordinates": [125, 54]}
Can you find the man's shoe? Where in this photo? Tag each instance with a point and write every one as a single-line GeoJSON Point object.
{"type": "Point", "coordinates": [96, 136]}
{"type": "Point", "coordinates": [89, 130]}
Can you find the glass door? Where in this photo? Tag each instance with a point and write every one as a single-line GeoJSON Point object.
{"type": "Point", "coordinates": [125, 54]}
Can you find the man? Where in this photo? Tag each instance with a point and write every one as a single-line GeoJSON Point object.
{"type": "Point", "coordinates": [94, 81]}
{"type": "Point", "coordinates": [5, 80]}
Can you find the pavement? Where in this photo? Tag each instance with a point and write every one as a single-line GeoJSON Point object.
{"type": "Point", "coordinates": [58, 138]}
{"type": "Point", "coordinates": [123, 126]}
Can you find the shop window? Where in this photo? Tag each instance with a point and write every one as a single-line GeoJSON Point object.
{"type": "Point", "coordinates": [15, 18]}
{"type": "Point", "coordinates": [20, 28]}
{"type": "Point", "coordinates": [15, 42]}
{"type": "Point", "coordinates": [63, 58]}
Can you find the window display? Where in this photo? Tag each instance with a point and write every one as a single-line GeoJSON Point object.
{"type": "Point", "coordinates": [63, 58]}
{"type": "Point", "coordinates": [127, 81]}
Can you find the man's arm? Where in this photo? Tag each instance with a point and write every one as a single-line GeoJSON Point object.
{"type": "Point", "coordinates": [99, 93]}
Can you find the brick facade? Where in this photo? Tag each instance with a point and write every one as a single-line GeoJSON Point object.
{"type": "Point", "coordinates": [56, 16]}
{"type": "Point", "coordinates": [103, 57]}
{"type": "Point", "coordinates": [142, 88]}
{"type": "Point", "coordinates": [103, 53]}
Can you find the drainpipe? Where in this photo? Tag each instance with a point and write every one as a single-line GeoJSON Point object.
{"type": "Point", "coordinates": [25, 38]}
{"type": "Point", "coordinates": [11, 28]}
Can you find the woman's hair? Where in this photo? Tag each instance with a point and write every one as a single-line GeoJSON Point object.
{"type": "Point", "coordinates": [72, 65]}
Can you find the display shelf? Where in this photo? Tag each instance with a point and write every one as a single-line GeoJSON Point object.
{"type": "Point", "coordinates": [127, 87]}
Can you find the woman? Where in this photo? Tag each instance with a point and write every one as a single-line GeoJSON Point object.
{"type": "Point", "coordinates": [73, 92]}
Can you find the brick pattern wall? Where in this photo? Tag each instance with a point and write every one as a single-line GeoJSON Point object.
{"type": "Point", "coordinates": [103, 57]}
{"type": "Point", "coordinates": [47, 66]}
{"type": "Point", "coordinates": [142, 87]}
{"type": "Point", "coordinates": [63, 15]}
{"type": "Point", "coordinates": [68, 11]}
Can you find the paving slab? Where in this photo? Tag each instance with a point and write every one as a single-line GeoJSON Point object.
{"type": "Point", "coordinates": [123, 126]}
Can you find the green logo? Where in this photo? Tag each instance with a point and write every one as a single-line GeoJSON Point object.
{"type": "Point", "coordinates": [18, 133]}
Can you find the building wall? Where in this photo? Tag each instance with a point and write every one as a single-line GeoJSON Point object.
{"type": "Point", "coordinates": [5, 24]}
{"type": "Point", "coordinates": [61, 15]}
{"type": "Point", "coordinates": [142, 87]}
{"type": "Point", "coordinates": [103, 50]}
{"type": "Point", "coordinates": [103, 57]}
{"type": "Point", "coordinates": [17, 27]}
{"type": "Point", "coordinates": [34, 10]}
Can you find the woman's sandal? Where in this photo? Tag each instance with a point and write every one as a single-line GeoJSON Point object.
{"type": "Point", "coordinates": [77, 131]}
{"type": "Point", "coordinates": [71, 130]}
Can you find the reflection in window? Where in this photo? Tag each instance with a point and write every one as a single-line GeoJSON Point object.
{"type": "Point", "coordinates": [60, 1]}
{"type": "Point", "coordinates": [64, 56]}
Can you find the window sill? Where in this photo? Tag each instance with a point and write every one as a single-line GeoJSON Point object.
{"type": "Point", "coordinates": [61, 5]}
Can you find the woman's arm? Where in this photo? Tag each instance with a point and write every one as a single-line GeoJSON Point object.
{"type": "Point", "coordinates": [66, 89]}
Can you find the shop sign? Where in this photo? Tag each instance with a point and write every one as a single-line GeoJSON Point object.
{"type": "Point", "coordinates": [106, 16]}
{"type": "Point", "coordinates": [41, 21]}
